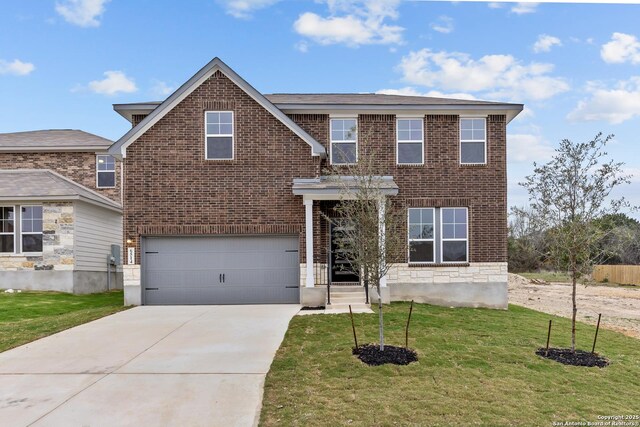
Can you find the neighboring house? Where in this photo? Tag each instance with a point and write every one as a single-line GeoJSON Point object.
{"type": "Point", "coordinates": [60, 211]}
{"type": "Point", "coordinates": [223, 193]}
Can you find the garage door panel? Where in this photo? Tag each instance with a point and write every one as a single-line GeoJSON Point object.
{"type": "Point", "coordinates": [221, 270]}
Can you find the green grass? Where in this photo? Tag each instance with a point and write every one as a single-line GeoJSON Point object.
{"type": "Point", "coordinates": [476, 367]}
{"type": "Point", "coordinates": [28, 316]}
{"type": "Point", "coordinates": [548, 276]}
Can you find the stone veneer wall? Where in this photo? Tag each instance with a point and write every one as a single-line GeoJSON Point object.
{"type": "Point", "coordinates": [131, 284]}
{"type": "Point", "coordinates": [57, 243]}
{"type": "Point", "coordinates": [476, 272]}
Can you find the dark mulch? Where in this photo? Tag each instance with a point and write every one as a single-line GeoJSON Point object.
{"type": "Point", "coordinates": [579, 358]}
{"type": "Point", "coordinates": [320, 307]}
{"type": "Point", "coordinates": [371, 355]}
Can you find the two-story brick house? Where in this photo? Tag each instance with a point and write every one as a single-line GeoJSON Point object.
{"type": "Point", "coordinates": [223, 193]}
{"type": "Point", "coordinates": [60, 211]}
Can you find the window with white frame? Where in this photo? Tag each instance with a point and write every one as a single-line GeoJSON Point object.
{"type": "Point", "coordinates": [20, 229]}
{"type": "Point", "coordinates": [106, 171]}
{"type": "Point", "coordinates": [422, 235]}
{"type": "Point", "coordinates": [410, 141]}
{"type": "Point", "coordinates": [454, 234]}
{"type": "Point", "coordinates": [219, 135]}
{"type": "Point", "coordinates": [438, 235]}
{"type": "Point", "coordinates": [7, 229]}
{"type": "Point", "coordinates": [31, 229]}
{"type": "Point", "coordinates": [473, 141]}
{"type": "Point", "coordinates": [344, 141]}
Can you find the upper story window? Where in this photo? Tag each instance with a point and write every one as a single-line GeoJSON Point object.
{"type": "Point", "coordinates": [106, 171]}
{"type": "Point", "coordinates": [24, 239]}
{"type": "Point", "coordinates": [219, 135]}
{"type": "Point", "coordinates": [410, 141]}
{"type": "Point", "coordinates": [473, 141]}
{"type": "Point", "coordinates": [344, 141]}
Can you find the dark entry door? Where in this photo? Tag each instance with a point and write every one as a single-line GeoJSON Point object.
{"type": "Point", "coordinates": [341, 271]}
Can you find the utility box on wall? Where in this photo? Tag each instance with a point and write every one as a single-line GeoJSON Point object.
{"type": "Point", "coordinates": [115, 254]}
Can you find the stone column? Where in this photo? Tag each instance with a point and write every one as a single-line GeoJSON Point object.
{"type": "Point", "coordinates": [308, 215]}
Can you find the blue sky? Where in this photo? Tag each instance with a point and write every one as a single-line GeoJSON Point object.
{"type": "Point", "coordinates": [576, 67]}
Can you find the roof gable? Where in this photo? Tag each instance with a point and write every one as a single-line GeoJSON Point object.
{"type": "Point", "coordinates": [119, 147]}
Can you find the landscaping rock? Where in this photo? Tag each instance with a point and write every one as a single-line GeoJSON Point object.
{"type": "Point", "coordinates": [371, 355]}
{"type": "Point", "coordinates": [577, 358]}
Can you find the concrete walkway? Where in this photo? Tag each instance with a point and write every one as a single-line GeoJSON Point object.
{"type": "Point", "coordinates": [148, 366]}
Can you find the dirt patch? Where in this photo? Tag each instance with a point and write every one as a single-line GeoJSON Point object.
{"type": "Point", "coordinates": [371, 355]}
{"type": "Point", "coordinates": [577, 358]}
{"type": "Point", "coordinates": [620, 307]}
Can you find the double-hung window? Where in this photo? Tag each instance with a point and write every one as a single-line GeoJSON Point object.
{"type": "Point", "coordinates": [7, 229]}
{"type": "Point", "coordinates": [219, 135]}
{"type": "Point", "coordinates": [344, 141]}
{"type": "Point", "coordinates": [473, 141]}
{"type": "Point", "coordinates": [410, 141]}
{"type": "Point", "coordinates": [422, 235]}
{"type": "Point", "coordinates": [25, 238]}
{"type": "Point", "coordinates": [106, 171]}
{"type": "Point", "coordinates": [438, 235]}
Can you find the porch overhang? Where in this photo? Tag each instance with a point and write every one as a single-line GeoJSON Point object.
{"type": "Point", "coordinates": [338, 187]}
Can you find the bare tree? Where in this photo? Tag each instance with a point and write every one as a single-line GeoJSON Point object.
{"type": "Point", "coordinates": [567, 195]}
{"type": "Point", "coordinates": [370, 225]}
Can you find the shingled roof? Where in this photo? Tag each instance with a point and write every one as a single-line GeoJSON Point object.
{"type": "Point", "coordinates": [46, 185]}
{"type": "Point", "coordinates": [53, 140]}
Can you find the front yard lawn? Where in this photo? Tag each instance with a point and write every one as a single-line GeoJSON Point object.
{"type": "Point", "coordinates": [28, 316]}
{"type": "Point", "coordinates": [476, 367]}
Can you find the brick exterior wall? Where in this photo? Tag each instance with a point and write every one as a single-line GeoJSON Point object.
{"type": "Point", "coordinates": [79, 167]}
{"type": "Point", "coordinates": [168, 182]}
{"type": "Point", "coordinates": [170, 189]}
{"type": "Point", "coordinates": [442, 181]}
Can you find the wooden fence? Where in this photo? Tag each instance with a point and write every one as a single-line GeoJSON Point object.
{"type": "Point", "coordinates": [623, 274]}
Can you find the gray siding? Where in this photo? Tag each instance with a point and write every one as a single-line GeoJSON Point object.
{"type": "Point", "coordinates": [96, 229]}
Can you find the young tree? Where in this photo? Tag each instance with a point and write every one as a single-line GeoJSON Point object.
{"type": "Point", "coordinates": [370, 236]}
{"type": "Point", "coordinates": [567, 195]}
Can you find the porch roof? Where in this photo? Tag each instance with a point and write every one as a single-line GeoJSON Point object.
{"type": "Point", "coordinates": [337, 187]}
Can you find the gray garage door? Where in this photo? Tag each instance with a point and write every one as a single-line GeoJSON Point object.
{"type": "Point", "coordinates": [220, 270]}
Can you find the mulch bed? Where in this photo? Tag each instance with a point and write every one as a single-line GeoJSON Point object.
{"type": "Point", "coordinates": [320, 307]}
{"type": "Point", "coordinates": [372, 356]}
{"type": "Point", "coordinates": [579, 358]}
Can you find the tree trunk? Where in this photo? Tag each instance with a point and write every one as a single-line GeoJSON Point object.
{"type": "Point", "coordinates": [575, 310]}
{"type": "Point", "coordinates": [380, 319]}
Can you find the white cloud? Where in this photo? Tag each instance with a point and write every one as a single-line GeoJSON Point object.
{"type": "Point", "coordinates": [84, 13]}
{"type": "Point", "coordinates": [16, 67]}
{"type": "Point", "coordinates": [160, 88]}
{"type": "Point", "coordinates": [495, 5]}
{"type": "Point", "coordinates": [545, 42]}
{"type": "Point", "coordinates": [622, 48]}
{"type": "Point", "coordinates": [302, 46]}
{"type": "Point", "coordinates": [528, 148]}
{"type": "Point", "coordinates": [410, 91]}
{"type": "Point", "coordinates": [353, 23]}
{"type": "Point", "coordinates": [444, 25]}
{"type": "Point", "coordinates": [115, 82]}
{"type": "Point", "coordinates": [496, 76]}
{"type": "Point", "coordinates": [523, 8]}
{"type": "Point", "coordinates": [614, 105]}
{"type": "Point", "coordinates": [244, 8]}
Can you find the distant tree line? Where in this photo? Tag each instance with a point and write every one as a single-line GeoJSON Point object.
{"type": "Point", "coordinates": [618, 242]}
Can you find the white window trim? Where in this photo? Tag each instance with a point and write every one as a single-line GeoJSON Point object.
{"type": "Point", "coordinates": [409, 239]}
{"type": "Point", "coordinates": [398, 142]}
{"type": "Point", "coordinates": [332, 141]}
{"type": "Point", "coordinates": [233, 140]}
{"type": "Point", "coordinates": [11, 233]}
{"type": "Point", "coordinates": [30, 232]}
{"type": "Point", "coordinates": [472, 140]}
{"type": "Point", "coordinates": [442, 239]}
{"type": "Point", "coordinates": [115, 178]}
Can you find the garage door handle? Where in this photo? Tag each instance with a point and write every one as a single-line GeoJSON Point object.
{"type": "Point", "coordinates": [220, 278]}
{"type": "Point", "coordinates": [223, 278]}
{"type": "Point", "coordinates": [151, 289]}
{"type": "Point", "coordinates": [291, 250]}
{"type": "Point", "coordinates": [292, 287]}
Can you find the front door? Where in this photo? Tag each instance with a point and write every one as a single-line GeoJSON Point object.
{"type": "Point", "coordinates": [341, 271]}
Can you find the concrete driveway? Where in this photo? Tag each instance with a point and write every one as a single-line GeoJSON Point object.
{"type": "Point", "coordinates": [148, 366]}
